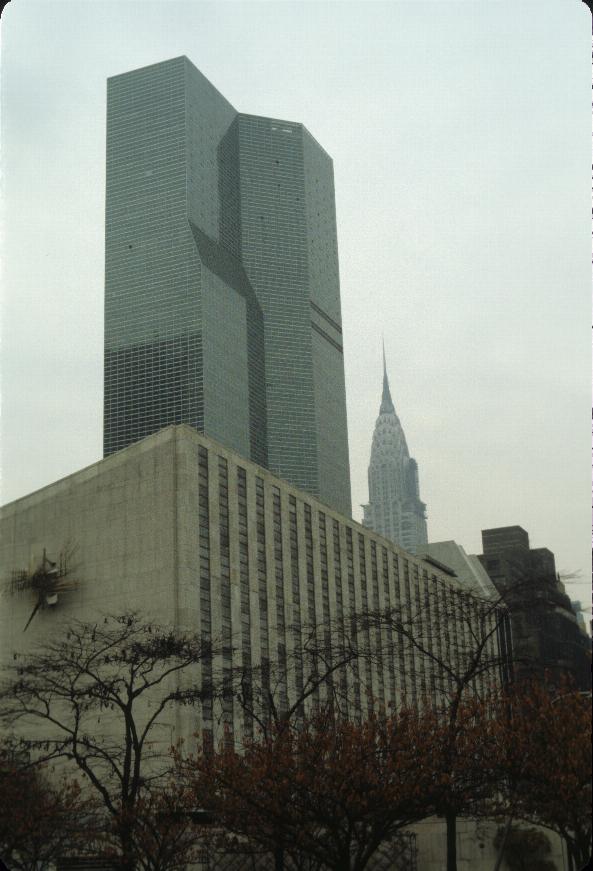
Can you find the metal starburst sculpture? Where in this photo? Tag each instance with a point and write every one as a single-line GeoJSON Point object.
{"type": "Point", "coordinates": [46, 582]}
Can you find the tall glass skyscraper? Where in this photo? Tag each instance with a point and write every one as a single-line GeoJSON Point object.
{"type": "Point", "coordinates": [394, 508]}
{"type": "Point", "coordinates": [222, 299]}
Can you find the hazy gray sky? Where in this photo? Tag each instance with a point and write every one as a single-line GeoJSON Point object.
{"type": "Point", "coordinates": [461, 140]}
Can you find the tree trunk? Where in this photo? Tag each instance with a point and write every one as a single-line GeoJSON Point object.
{"type": "Point", "coordinates": [569, 855]}
{"type": "Point", "coordinates": [127, 847]}
{"type": "Point", "coordinates": [451, 821]}
{"type": "Point", "coordinates": [581, 852]}
{"type": "Point", "coordinates": [503, 844]}
{"type": "Point", "coordinates": [279, 859]}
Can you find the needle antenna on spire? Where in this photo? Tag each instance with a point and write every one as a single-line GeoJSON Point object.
{"type": "Point", "coordinates": [386, 401]}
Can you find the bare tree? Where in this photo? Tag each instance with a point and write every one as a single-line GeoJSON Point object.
{"type": "Point", "coordinates": [39, 819]}
{"type": "Point", "coordinates": [99, 697]}
{"type": "Point", "coordinates": [313, 675]}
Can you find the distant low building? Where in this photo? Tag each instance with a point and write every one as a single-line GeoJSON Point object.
{"type": "Point", "coordinates": [467, 567]}
{"type": "Point", "coordinates": [546, 634]}
{"type": "Point", "coordinates": [580, 615]}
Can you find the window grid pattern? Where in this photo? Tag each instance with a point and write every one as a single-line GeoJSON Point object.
{"type": "Point", "coordinates": [153, 342]}
{"type": "Point", "coordinates": [262, 579]}
{"type": "Point", "coordinates": [491, 643]}
{"type": "Point", "coordinates": [205, 578]}
{"type": "Point", "coordinates": [353, 613]}
{"type": "Point", "coordinates": [221, 234]}
{"type": "Point", "coordinates": [273, 250]}
{"type": "Point", "coordinates": [340, 616]}
{"type": "Point", "coordinates": [325, 607]}
{"type": "Point", "coordinates": [387, 600]}
{"type": "Point", "coordinates": [225, 592]}
{"type": "Point", "coordinates": [376, 606]}
{"type": "Point", "coordinates": [311, 610]}
{"type": "Point", "coordinates": [428, 624]}
{"type": "Point", "coordinates": [262, 588]}
{"type": "Point", "coordinates": [279, 579]}
{"type": "Point", "coordinates": [438, 633]}
{"type": "Point", "coordinates": [399, 642]}
{"type": "Point", "coordinates": [246, 655]}
{"type": "Point", "coordinates": [421, 662]}
{"type": "Point", "coordinates": [362, 567]}
{"type": "Point", "coordinates": [295, 590]}
{"type": "Point", "coordinates": [482, 632]}
{"type": "Point", "coordinates": [448, 641]}
{"type": "Point", "coordinates": [411, 674]}
{"type": "Point", "coordinates": [341, 579]}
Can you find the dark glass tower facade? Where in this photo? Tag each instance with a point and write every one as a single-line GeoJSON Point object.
{"type": "Point", "coordinates": [222, 301]}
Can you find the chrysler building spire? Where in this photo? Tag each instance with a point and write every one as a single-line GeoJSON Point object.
{"type": "Point", "coordinates": [394, 508]}
{"type": "Point", "coordinates": [386, 401]}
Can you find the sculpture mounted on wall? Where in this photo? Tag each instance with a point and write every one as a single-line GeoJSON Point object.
{"type": "Point", "coordinates": [46, 581]}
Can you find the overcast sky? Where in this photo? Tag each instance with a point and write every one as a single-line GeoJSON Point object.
{"type": "Point", "coordinates": [461, 139]}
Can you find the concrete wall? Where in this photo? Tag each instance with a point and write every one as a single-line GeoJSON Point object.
{"type": "Point", "coordinates": [118, 515]}
{"type": "Point", "coordinates": [135, 520]}
{"type": "Point", "coordinates": [146, 524]}
{"type": "Point", "coordinates": [475, 848]}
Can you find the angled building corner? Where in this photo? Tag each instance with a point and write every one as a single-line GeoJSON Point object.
{"type": "Point", "coordinates": [222, 301]}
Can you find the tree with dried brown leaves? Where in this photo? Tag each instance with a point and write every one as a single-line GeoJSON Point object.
{"type": "Point", "coordinates": [452, 648]}
{"type": "Point", "coordinates": [40, 818]}
{"type": "Point", "coordinates": [161, 827]}
{"type": "Point", "coordinates": [331, 790]}
{"type": "Point", "coordinates": [541, 755]}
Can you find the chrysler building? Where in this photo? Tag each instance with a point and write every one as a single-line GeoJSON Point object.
{"type": "Point", "coordinates": [394, 509]}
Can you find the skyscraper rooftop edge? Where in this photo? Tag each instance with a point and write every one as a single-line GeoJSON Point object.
{"type": "Point", "coordinates": [163, 63]}
{"type": "Point", "coordinates": [298, 124]}
{"type": "Point", "coordinates": [169, 60]}
{"type": "Point", "coordinates": [183, 57]}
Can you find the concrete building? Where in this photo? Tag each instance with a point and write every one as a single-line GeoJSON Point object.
{"type": "Point", "coordinates": [394, 508]}
{"type": "Point", "coordinates": [473, 578]}
{"type": "Point", "coordinates": [222, 298]}
{"type": "Point", "coordinates": [579, 613]}
{"type": "Point", "coordinates": [195, 536]}
{"type": "Point", "coordinates": [546, 634]}
{"type": "Point", "coordinates": [467, 568]}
